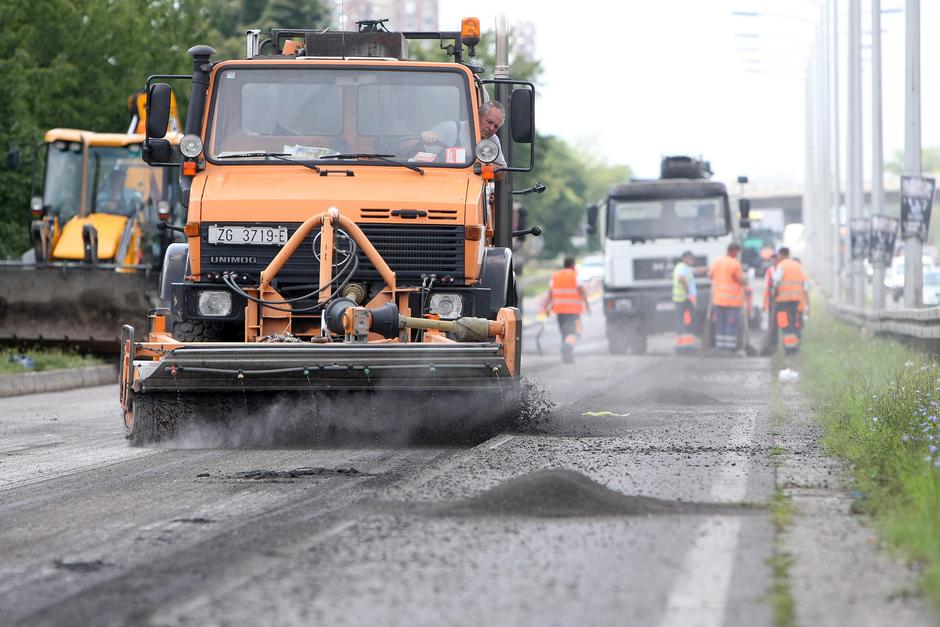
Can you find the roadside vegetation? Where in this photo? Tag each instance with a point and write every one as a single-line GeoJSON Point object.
{"type": "Point", "coordinates": [879, 402]}
{"type": "Point", "coordinates": [14, 361]}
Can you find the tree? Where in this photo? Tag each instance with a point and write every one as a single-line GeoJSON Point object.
{"type": "Point", "coordinates": [73, 63]}
{"type": "Point", "coordinates": [930, 161]}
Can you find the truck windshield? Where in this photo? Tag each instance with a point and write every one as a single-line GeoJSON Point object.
{"type": "Point", "coordinates": [309, 113]}
{"type": "Point", "coordinates": [119, 180]}
{"type": "Point", "coordinates": [680, 217]}
{"type": "Point", "coordinates": [62, 189]}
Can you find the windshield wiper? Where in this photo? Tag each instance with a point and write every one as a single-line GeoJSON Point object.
{"type": "Point", "coordinates": [370, 155]}
{"type": "Point", "coordinates": [283, 156]}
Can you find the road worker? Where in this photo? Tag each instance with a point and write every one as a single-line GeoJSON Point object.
{"type": "Point", "coordinates": [685, 295]}
{"type": "Point", "coordinates": [567, 300]}
{"type": "Point", "coordinates": [769, 300]}
{"type": "Point", "coordinates": [728, 283]}
{"type": "Point", "coordinates": [789, 293]}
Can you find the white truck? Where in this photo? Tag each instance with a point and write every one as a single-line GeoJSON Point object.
{"type": "Point", "coordinates": [645, 226]}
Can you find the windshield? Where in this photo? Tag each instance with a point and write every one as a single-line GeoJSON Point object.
{"type": "Point", "coordinates": [62, 191]}
{"type": "Point", "coordinates": [310, 113]}
{"type": "Point", "coordinates": [680, 217]}
{"type": "Point", "coordinates": [120, 182]}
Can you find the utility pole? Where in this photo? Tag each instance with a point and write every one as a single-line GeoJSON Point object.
{"type": "Point", "coordinates": [854, 191]}
{"type": "Point", "coordinates": [877, 152]}
{"type": "Point", "coordinates": [913, 247]}
{"type": "Point", "coordinates": [839, 288]}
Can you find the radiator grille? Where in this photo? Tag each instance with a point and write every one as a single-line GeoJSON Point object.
{"type": "Point", "coordinates": [410, 250]}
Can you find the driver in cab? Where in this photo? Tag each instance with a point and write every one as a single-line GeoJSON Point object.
{"type": "Point", "coordinates": [450, 134]}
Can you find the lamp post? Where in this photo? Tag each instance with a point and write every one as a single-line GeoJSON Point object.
{"type": "Point", "coordinates": [913, 247]}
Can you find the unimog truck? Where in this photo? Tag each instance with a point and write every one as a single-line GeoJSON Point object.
{"type": "Point", "coordinates": [341, 235]}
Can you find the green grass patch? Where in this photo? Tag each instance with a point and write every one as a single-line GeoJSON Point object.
{"type": "Point", "coordinates": [879, 402]}
{"type": "Point", "coordinates": [44, 359]}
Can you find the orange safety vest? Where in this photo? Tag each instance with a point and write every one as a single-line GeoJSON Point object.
{"type": "Point", "coordinates": [566, 299]}
{"type": "Point", "coordinates": [790, 288]}
{"type": "Point", "coordinates": [726, 275]}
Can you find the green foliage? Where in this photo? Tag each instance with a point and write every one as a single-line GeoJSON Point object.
{"type": "Point", "coordinates": [74, 63]}
{"type": "Point", "coordinates": [930, 161]}
{"type": "Point", "coordinates": [879, 402]}
{"type": "Point", "coordinates": [44, 359]}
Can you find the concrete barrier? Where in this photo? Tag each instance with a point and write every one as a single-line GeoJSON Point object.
{"type": "Point", "coordinates": [56, 380]}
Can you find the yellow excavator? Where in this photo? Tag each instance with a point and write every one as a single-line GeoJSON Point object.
{"type": "Point", "coordinates": [98, 239]}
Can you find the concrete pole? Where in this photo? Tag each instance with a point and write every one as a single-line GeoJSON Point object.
{"type": "Point", "coordinates": [854, 191]}
{"type": "Point", "coordinates": [839, 289]}
{"type": "Point", "coordinates": [877, 151]}
{"type": "Point", "coordinates": [825, 133]}
{"type": "Point", "coordinates": [913, 247]}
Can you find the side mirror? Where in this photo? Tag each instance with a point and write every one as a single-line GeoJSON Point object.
{"type": "Point", "coordinates": [522, 115]}
{"type": "Point", "coordinates": [744, 208]}
{"type": "Point", "coordinates": [158, 110]}
{"type": "Point", "coordinates": [13, 159]}
{"type": "Point", "coordinates": [157, 151]}
{"type": "Point", "coordinates": [592, 219]}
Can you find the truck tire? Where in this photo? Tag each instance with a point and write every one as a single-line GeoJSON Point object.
{"type": "Point", "coordinates": [636, 339]}
{"type": "Point", "coordinates": [617, 341]}
{"type": "Point", "coordinates": [203, 331]}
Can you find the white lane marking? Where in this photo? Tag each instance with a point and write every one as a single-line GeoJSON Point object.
{"type": "Point", "coordinates": [498, 441]}
{"type": "Point", "coordinates": [700, 593]}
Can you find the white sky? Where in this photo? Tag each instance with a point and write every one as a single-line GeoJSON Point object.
{"type": "Point", "coordinates": [641, 78]}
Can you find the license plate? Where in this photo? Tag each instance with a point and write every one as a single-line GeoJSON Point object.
{"type": "Point", "coordinates": [665, 306]}
{"type": "Point", "coordinates": [259, 235]}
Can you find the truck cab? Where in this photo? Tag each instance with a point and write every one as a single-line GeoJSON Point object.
{"type": "Point", "coordinates": [645, 227]}
{"type": "Point", "coordinates": [315, 122]}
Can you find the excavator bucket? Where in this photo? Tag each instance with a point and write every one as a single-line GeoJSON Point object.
{"type": "Point", "coordinates": [76, 306]}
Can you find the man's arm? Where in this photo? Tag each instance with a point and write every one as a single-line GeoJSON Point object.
{"type": "Point", "coordinates": [583, 293]}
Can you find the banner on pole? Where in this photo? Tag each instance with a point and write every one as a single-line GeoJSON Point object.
{"type": "Point", "coordinates": [884, 232]}
{"type": "Point", "coordinates": [859, 230]}
{"type": "Point", "coordinates": [916, 201]}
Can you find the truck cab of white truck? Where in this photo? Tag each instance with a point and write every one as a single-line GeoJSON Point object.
{"type": "Point", "coordinates": [645, 226]}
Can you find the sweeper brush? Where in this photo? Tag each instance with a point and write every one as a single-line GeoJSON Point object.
{"type": "Point", "coordinates": [386, 363]}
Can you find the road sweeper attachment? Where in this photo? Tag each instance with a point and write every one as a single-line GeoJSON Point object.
{"type": "Point", "coordinates": [379, 349]}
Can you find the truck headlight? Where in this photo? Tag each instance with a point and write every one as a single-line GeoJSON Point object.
{"type": "Point", "coordinates": [190, 146]}
{"type": "Point", "coordinates": [214, 303]}
{"type": "Point", "coordinates": [487, 151]}
{"type": "Point", "coordinates": [447, 306]}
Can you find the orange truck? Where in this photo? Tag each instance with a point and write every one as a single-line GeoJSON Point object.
{"type": "Point", "coordinates": [341, 235]}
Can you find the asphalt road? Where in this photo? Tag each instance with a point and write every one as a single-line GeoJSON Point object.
{"type": "Point", "coordinates": [637, 501]}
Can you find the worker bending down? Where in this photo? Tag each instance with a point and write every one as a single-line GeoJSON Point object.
{"type": "Point", "coordinates": [567, 300]}
{"type": "Point", "coordinates": [790, 294]}
{"type": "Point", "coordinates": [728, 283]}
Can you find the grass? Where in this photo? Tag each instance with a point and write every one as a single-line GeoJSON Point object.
{"type": "Point", "coordinates": [879, 401]}
{"type": "Point", "coordinates": [44, 359]}
{"type": "Point", "coordinates": [782, 603]}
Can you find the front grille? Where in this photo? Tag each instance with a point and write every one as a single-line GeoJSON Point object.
{"type": "Point", "coordinates": [410, 250]}
{"type": "Point", "coordinates": [658, 268]}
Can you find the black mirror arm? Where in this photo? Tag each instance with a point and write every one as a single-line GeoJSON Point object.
{"type": "Point", "coordinates": [535, 230]}
{"type": "Point", "coordinates": [538, 188]}
{"type": "Point", "coordinates": [163, 226]}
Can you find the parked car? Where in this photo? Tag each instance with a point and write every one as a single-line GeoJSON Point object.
{"type": "Point", "coordinates": [591, 270]}
{"type": "Point", "coordinates": [894, 276]}
{"type": "Point", "coordinates": [932, 286]}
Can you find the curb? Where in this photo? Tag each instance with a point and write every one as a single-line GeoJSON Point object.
{"type": "Point", "coordinates": [56, 380]}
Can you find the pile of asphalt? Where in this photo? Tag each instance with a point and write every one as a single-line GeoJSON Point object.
{"type": "Point", "coordinates": [559, 493]}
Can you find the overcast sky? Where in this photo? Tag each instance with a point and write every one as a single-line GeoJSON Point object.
{"type": "Point", "coordinates": [637, 79]}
